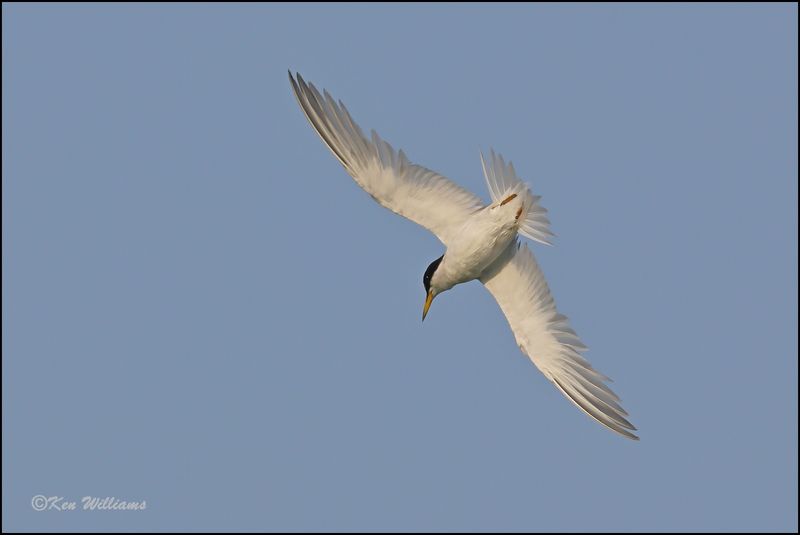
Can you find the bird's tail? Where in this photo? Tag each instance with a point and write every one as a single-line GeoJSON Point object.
{"type": "Point", "coordinates": [503, 182]}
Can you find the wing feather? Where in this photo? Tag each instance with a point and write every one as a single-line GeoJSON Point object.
{"type": "Point", "coordinates": [519, 287]}
{"type": "Point", "coordinates": [410, 190]}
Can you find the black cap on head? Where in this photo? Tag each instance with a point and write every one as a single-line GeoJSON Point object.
{"type": "Point", "coordinates": [426, 279]}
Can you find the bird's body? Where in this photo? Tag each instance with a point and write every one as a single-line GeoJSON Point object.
{"type": "Point", "coordinates": [482, 242]}
{"type": "Point", "coordinates": [479, 242]}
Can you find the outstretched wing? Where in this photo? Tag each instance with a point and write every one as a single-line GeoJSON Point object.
{"type": "Point", "coordinates": [518, 286]}
{"type": "Point", "coordinates": [410, 190]}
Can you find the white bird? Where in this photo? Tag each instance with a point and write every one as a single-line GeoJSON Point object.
{"type": "Point", "coordinates": [482, 243]}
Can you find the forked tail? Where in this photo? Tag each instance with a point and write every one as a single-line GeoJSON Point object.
{"type": "Point", "coordinates": [503, 182]}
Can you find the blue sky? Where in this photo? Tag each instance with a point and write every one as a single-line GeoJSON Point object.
{"type": "Point", "coordinates": [203, 311]}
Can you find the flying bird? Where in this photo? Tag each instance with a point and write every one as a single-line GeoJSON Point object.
{"type": "Point", "coordinates": [482, 242]}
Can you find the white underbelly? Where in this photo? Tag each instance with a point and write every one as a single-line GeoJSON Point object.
{"type": "Point", "coordinates": [482, 239]}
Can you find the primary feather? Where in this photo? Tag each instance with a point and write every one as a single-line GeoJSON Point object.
{"type": "Point", "coordinates": [544, 335]}
{"type": "Point", "coordinates": [417, 193]}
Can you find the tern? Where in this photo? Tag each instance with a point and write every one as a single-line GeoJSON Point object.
{"type": "Point", "coordinates": [482, 242]}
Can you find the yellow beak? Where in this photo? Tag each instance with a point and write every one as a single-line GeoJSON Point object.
{"type": "Point", "coordinates": [428, 301]}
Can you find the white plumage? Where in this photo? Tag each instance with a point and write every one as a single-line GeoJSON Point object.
{"type": "Point", "coordinates": [410, 190]}
{"type": "Point", "coordinates": [482, 243]}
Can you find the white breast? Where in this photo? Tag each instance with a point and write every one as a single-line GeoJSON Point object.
{"type": "Point", "coordinates": [480, 241]}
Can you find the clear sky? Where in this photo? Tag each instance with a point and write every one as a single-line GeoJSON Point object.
{"type": "Point", "coordinates": [203, 311]}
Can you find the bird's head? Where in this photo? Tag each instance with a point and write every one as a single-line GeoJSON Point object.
{"type": "Point", "coordinates": [431, 290]}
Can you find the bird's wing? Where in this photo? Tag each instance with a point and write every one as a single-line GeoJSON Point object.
{"type": "Point", "coordinates": [518, 286]}
{"type": "Point", "coordinates": [410, 190]}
